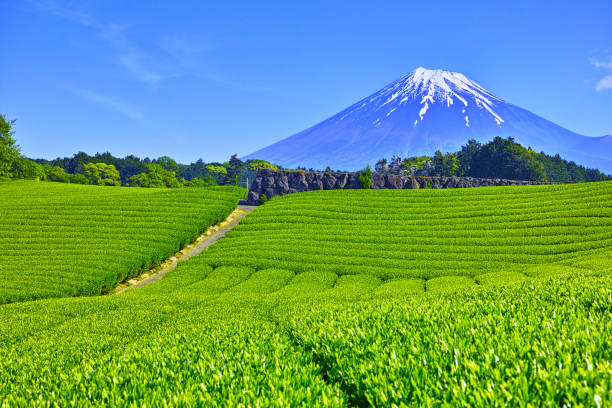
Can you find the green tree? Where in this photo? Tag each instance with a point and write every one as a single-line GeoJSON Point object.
{"type": "Point", "coordinates": [504, 158]}
{"type": "Point", "coordinates": [78, 179]}
{"type": "Point", "coordinates": [167, 163]}
{"type": "Point", "coordinates": [141, 180]}
{"type": "Point", "coordinates": [445, 164]}
{"type": "Point", "coordinates": [233, 169]}
{"type": "Point", "coordinates": [216, 169]}
{"type": "Point", "coordinates": [256, 164]}
{"type": "Point", "coordinates": [24, 168]}
{"type": "Point", "coordinates": [365, 178]}
{"type": "Point", "coordinates": [155, 177]}
{"type": "Point", "coordinates": [198, 182]}
{"type": "Point", "coordinates": [58, 174]}
{"type": "Point", "coordinates": [102, 174]}
{"type": "Point", "coordinates": [466, 156]}
{"type": "Point", "coordinates": [9, 150]}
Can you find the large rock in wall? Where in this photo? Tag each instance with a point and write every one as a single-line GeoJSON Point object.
{"type": "Point", "coordinates": [274, 183]}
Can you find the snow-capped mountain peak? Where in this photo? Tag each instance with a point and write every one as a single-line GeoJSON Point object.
{"type": "Point", "coordinates": [425, 111]}
{"type": "Point", "coordinates": [431, 86]}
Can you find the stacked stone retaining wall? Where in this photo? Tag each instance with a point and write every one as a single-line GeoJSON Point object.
{"type": "Point", "coordinates": [275, 183]}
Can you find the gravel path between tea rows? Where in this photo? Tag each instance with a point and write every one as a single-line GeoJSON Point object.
{"type": "Point", "coordinates": [244, 210]}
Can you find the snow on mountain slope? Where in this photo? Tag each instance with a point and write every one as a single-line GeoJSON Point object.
{"type": "Point", "coordinates": [428, 87]}
{"type": "Point", "coordinates": [420, 113]}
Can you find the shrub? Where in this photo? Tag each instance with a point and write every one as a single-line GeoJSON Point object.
{"type": "Point", "coordinates": [263, 199]}
{"type": "Point", "coordinates": [365, 178]}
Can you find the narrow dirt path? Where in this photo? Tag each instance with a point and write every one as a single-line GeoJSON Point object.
{"type": "Point", "coordinates": [212, 235]}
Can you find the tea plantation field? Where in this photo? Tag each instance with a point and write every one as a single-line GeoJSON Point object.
{"type": "Point", "coordinates": [475, 297]}
{"type": "Point", "coordinates": [468, 236]}
{"type": "Point", "coordinates": [61, 239]}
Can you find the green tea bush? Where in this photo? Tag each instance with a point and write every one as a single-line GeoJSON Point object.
{"type": "Point", "coordinates": [72, 240]}
{"type": "Point", "coordinates": [481, 297]}
{"type": "Point", "coordinates": [540, 343]}
{"type": "Point", "coordinates": [424, 234]}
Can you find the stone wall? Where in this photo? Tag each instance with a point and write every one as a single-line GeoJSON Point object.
{"type": "Point", "coordinates": [274, 183]}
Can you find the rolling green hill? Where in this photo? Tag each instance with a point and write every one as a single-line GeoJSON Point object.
{"type": "Point", "coordinates": [69, 240]}
{"type": "Point", "coordinates": [471, 297]}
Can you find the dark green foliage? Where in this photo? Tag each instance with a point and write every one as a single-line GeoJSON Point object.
{"type": "Point", "coordinates": [365, 178]}
{"type": "Point", "coordinates": [263, 199]}
{"type": "Point", "coordinates": [198, 182]}
{"type": "Point", "coordinates": [167, 163]}
{"type": "Point", "coordinates": [9, 150]}
{"type": "Point", "coordinates": [503, 158]}
{"type": "Point", "coordinates": [445, 164]}
{"type": "Point", "coordinates": [235, 171]}
{"type": "Point", "coordinates": [466, 156]}
{"type": "Point", "coordinates": [562, 171]}
{"type": "Point", "coordinates": [126, 167]}
{"type": "Point", "coordinates": [27, 169]}
{"type": "Point", "coordinates": [78, 178]}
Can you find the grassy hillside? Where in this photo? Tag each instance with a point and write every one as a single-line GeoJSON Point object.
{"type": "Point", "coordinates": [268, 326]}
{"type": "Point", "coordinates": [69, 240]}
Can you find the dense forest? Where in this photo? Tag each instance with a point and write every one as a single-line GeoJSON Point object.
{"type": "Point", "coordinates": [499, 158]}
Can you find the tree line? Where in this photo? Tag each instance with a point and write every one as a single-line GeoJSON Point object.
{"type": "Point", "coordinates": [499, 158]}
{"type": "Point", "coordinates": [131, 171]}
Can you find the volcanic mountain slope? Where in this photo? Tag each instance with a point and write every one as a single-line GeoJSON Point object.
{"type": "Point", "coordinates": [422, 112]}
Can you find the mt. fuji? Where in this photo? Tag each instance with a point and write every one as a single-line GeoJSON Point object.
{"type": "Point", "coordinates": [425, 111]}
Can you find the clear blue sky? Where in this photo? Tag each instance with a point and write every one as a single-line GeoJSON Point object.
{"type": "Point", "coordinates": [190, 79]}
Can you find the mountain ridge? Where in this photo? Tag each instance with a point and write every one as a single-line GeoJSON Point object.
{"type": "Point", "coordinates": [425, 111]}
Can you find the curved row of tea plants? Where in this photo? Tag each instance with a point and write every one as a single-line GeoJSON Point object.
{"type": "Point", "coordinates": [234, 336]}
{"type": "Point", "coordinates": [204, 339]}
{"type": "Point", "coordinates": [545, 342]}
{"type": "Point", "coordinates": [423, 234]}
{"type": "Point", "coordinates": [242, 330]}
{"type": "Point", "coordinates": [68, 240]}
